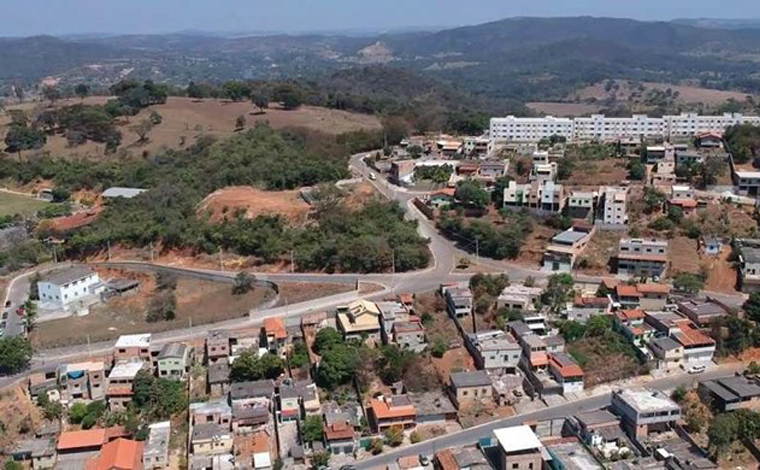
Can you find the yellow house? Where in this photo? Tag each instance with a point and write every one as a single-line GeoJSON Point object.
{"type": "Point", "coordinates": [359, 319]}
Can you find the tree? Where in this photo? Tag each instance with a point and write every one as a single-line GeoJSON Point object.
{"type": "Point", "coordinates": [313, 428]}
{"type": "Point", "coordinates": [439, 347]}
{"type": "Point", "coordinates": [166, 281]}
{"type": "Point", "coordinates": [261, 102]}
{"type": "Point", "coordinates": [34, 293]}
{"type": "Point", "coordinates": [376, 447]}
{"type": "Point", "coordinates": [243, 283]}
{"type": "Point", "coordinates": [162, 306]}
{"type": "Point", "coordinates": [394, 436]}
{"type": "Point", "coordinates": [653, 200]}
{"type": "Point", "coordinates": [558, 291]}
{"type": "Point", "coordinates": [82, 91]}
{"type": "Point", "coordinates": [470, 193]}
{"type": "Point", "coordinates": [338, 366]}
{"type": "Point", "coordinates": [12, 465]}
{"type": "Point", "coordinates": [248, 367]}
{"type": "Point", "coordinates": [752, 306]}
{"type": "Point", "coordinates": [158, 398]}
{"type": "Point", "coordinates": [722, 433]}
{"type": "Point", "coordinates": [142, 129]}
{"type": "Point", "coordinates": [30, 314]}
{"type": "Point", "coordinates": [77, 412]}
{"type": "Point", "coordinates": [679, 394]}
{"type": "Point", "coordinates": [753, 368]}
{"type": "Point", "coordinates": [393, 363]}
{"type": "Point", "coordinates": [688, 283]}
{"type": "Point", "coordinates": [20, 138]}
{"type": "Point", "coordinates": [710, 170]}
{"type": "Point", "coordinates": [51, 94]}
{"type": "Point", "coordinates": [15, 354]}
{"type": "Point", "coordinates": [637, 171]}
{"type": "Point", "coordinates": [240, 122]}
{"type": "Point", "coordinates": [320, 460]}
{"type": "Point", "coordinates": [325, 339]}
{"type": "Point", "coordinates": [291, 99]}
{"type": "Point", "coordinates": [572, 330]}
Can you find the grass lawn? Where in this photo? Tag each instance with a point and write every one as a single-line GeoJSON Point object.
{"type": "Point", "coordinates": [11, 204]}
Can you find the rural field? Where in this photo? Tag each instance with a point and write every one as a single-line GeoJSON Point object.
{"type": "Point", "coordinates": [186, 119]}
{"type": "Point", "coordinates": [12, 203]}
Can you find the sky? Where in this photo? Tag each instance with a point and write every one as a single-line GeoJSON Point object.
{"type": "Point", "coordinates": [60, 17]}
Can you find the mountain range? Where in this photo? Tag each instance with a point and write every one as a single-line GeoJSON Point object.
{"type": "Point", "coordinates": [516, 58]}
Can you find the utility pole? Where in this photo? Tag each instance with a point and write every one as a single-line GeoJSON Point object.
{"type": "Point", "coordinates": [477, 250]}
{"type": "Point", "coordinates": [152, 259]}
{"type": "Point", "coordinates": [292, 262]}
{"type": "Point", "coordinates": [393, 272]}
{"type": "Point", "coordinates": [55, 255]}
{"type": "Point", "coordinates": [89, 353]}
{"type": "Point", "coordinates": [221, 261]}
{"type": "Point", "coordinates": [108, 242]}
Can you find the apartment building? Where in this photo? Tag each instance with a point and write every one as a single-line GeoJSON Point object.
{"type": "Point", "coordinates": [64, 287]}
{"type": "Point", "coordinates": [519, 448]}
{"type": "Point", "coordinates": [603, 128]}
{"type": "Point", "coordinates": [121, 381]}
{"type": "Point", "coordinates": [642, 257]}
{"type": "Point", "coordinates": [614, 209]}
{"type": "Point", "coordinates": [132, 347]}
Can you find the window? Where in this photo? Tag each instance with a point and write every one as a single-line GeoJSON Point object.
{"type": "Point", "coordinates": [515, 465]}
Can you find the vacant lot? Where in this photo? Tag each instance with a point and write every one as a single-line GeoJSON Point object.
{"type": "Point", "coordinates": [185, 119]}
{"type": "Point", "coordinates": [555, 108]}
{"type": "Point", "coordinates": [602, 247]}
{"type": "Point", "coordinates": [610, 171]}
{"type": "Point", "coordinates": [686, 94]}
{"type": "Point", "coordinates": [254, 202]}
{"type": "Point", "coordinates": [683, 255]}
{"type": "Point", "coordinates": [605, 359]}
{"type": "Point", "coordinates": [11, 204]}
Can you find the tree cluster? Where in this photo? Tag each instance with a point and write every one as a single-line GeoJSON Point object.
{"type": "Point", "coordinates": [248, 367]}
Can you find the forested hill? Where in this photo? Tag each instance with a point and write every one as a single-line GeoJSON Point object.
{"type": "Point", "coordinates": [518, 58]}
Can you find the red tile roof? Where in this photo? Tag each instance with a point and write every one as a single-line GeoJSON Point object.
{"type": "Point", "coordinates": [624, 290]}
{"type": "Point", "coordinates": [339, 431]}
{"type": "Point", "coordinates": [653, 288]}
{"type": "Point", "coordinates": [688, 203]}
{"type": "Point", "coordinates": [689, 337]}
{"type": "Point", "coordinates": [446, 460]}
{"type": "Point", "coordinates": [634, 314]}
{"type": "Point", "coordinates": [69, 440]}
{"type": "Point", "coordinates": [565, 368]}
{"type": "Point", "coordinates": [382, 410]}
{"type": "Point", "coordinates": [121, 454]}
{"type": "Point", "coordinates": [276, 328]}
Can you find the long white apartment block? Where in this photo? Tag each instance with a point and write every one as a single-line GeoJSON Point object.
{"type": "Point", "coordinates": [601, 127]}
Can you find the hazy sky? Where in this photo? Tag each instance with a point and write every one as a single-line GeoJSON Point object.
{"type": "Point", "coordinates": [28, 17]}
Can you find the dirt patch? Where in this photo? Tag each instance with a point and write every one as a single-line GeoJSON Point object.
{"type": "Point", "coordinates": [683, 255]}
{"type": "Point", "coordinates": [480, 412]}
{"type": "Point", "coordinates": [602, 247]}
{"type": "Point", "coordinates": [561, 109]}
{"type": "Point", "coordinates": [296, 292]}
{"type": "Point", "coordinates": [227, 202]}
{"type": "Point", "coordinates": [607, 172]}
{"type": "Point", "coordinates": [722, 275]}
{"type": "Point", "coordinates": [358, 195]}
{"type": "Point", "coordinates": [186, 119]}
{"type": "Point", "coordinates": [603, 359]}
{"type": "Point", "coordinates": [532, 250]}
{"type": "Point", "coordinates": [19, 416]}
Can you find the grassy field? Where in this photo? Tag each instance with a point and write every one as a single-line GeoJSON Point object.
{"type": "Point", "coordinates": [11, 204]}
{"type": "Point", "coordinates": [186, 119]}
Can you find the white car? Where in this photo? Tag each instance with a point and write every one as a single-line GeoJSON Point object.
{"type": "Point", "coordinates": [698, 369]}
{"type": "Point", "coordinates": [372, 176]}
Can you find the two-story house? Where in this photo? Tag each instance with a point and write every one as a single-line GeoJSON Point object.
{"type": "Point", "coordinates": [642, 257]}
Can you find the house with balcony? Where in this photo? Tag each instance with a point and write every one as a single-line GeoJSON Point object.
{"type": "Point", "coordinates": [644, 411]}
{"type": "Point", "coordinates": [535, 355]}
{"type": "Point", "coordinates": [410, 335]}
{"type": "Point", "coordinates": [386, 412]}
{"type": "Point", "coordinates": [614, 206]}
{"type": "Point", "coordinates": [217, 346]}
{"type": "Point", "coordinates": [642, 257]}
{"type": "Point", "coordinates": [519, 297]}
{"type": "Point", "coordinates": [543, 172]}
{"type": "Point", "coordinates": [359, 320]}
{"type": "Point", "coordinates": [748, 251]}
{"type": "Point", "coordinates": [174, 361]}
{"type": "Point", "coordinates": [631, 324]}
{"type": "Point", "coordinates": [391, 312]}
{"type": "Point", "coordinates": [340, 437]}
{"type": "Point", "coordinates": [697, 346]}
{"type": "Point", "coordinates": [565, 248]}
{"type": "Point", "coordinates": [666, 352]}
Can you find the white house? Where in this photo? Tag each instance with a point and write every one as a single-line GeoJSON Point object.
{"type": "Point", "coordinates": [615, 205]}
{"type": "Point", "coordinates": [68, 285]}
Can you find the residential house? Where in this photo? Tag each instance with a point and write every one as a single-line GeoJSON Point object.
{"type": "Point", "coordinates": [586, 307]}
{"type": "Point", "coordinates": [697, 346]}
{"type": "Point", "coordinates": [689, 158]}
{"type": "Point", "coordinates": [518, 448]}
{"type": "Point", "coordinates": [747, 182]}
{"type": "Point", "coordinates": [261, 450]}
{"type": "Point", "coordinates": [156, 449]}
{"type": "Point", "coordinates": [359, 319]}
{"type": "Point", "coordinates": [433, 407]}
{"type": "Point", "coordinates": [401, 172]}
{"type": "Point", "coordinates": [566, 247]}
{"type": "Point", "coordinates": [535, 355]}
{"type": "Point", "coordinates": [581, 204]}
{"type": "Point", "coordinates": [598, 427]}
{"type": "Point", "coordinates": [711, 246]}
{"type": "Point", "coordinates": [340, 437]}
{"type": "Point", "coordinates": [680, 191]}
{"type": "Point", "coordinates": [82, 381]}
{"type": "Point", "coordinates": [702, 313]}
{"type": "Point", "coordinates": [519, 297]}
{"type": "Point", "coordinates": [410, 335]}
{"type": "Point", "coordinates": [491, 170]}
{"type": "Point", "coordinates": [216, 411]}
{"type": "Point", "coordinates": [476, 147]}
{"type": "Point", "coordinates": [468, 387]}
{"type": "Point", "coordinates": [274, 335]}
{"type": "Point", "coordinates": [75, 449]}
{"type": "Point", "coordinates": [543, 172]}
{"type": "Point", "coordinates": [658, 153]}
{"type": "Point", "coordinates": [63, 287]}
{"type": "Point", "coordinates": [653, 296]}
{"type": "Point", "coordinates": [688, 206]}
{"type": "Point", "coordinates": [644, 411]}
{"type": "Point", "coordinates": [494, 350]}
{"type": "Point", "coordinates": [45, 381]}
{"type": "Point", "coordinates": [133, 347]}
{"type": "Point", "coordinates": [631, 324]}
{"type": "Point", "coordinates": [119, 454]}
{"type": "Point", "coordinates": [218, 379]}
{"type": "Point", "coordinates": [251, 404]}
{"type": "Point", "coordinates": [392, 411]}
{"type": "Point", "coordinates": [298, 398]}
{"type": "Point", "coordinates": [174, 361]}
{"type": "Point", "coordinates": [566, 372]}
{"type": "Point", "coordinates": [730, 393]}
{"type": "Point", "coordinates": [627, 296]}
{"type": "Point", "coordinates": [211, 438]}
{"type": "Point", "coordinates": [217, 346]}
{"type": "Point", "coordinates": [667, 352]}
{"type": "Point", "coordinates": [570, 454]}
{"type": "Point", "coordinates": [461, 458]}
{"type": "Point", "coordinates": [40, 452]}
{"type": "Point", "coordinates": [121, 381]}
{"type": "Point", "coordinates": [614, 206]}
{"type": "Point", "coordinates": [458, 300]}
{"type": "Point", "coordinates": [663, 174]}
{"type": "Point", "coordinates": [390, 313]}
{"type": "Point", "coordinates": [546, 196]}
{"type": "Point", "coordinates": [642, 257]}
{"type": "Point", "coordinates": [749, 263]}
{"type": "Point", "coordinates": [708, 140]}
{"type": "Point", "coordinates": [552, 197]}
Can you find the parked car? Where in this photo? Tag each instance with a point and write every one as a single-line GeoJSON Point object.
{"type": "Point", "coordinates": [7, 304]}
{"type": "Point", "coordinates": [372, 176]}
{"type": "Point", "coordinates": [5, 315]}
{"type": "Point", "coordinates": [20, 311]}
{"type": "Point", "coordinates": [698, 369]}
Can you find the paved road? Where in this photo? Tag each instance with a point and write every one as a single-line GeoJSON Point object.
{"type": "Point", "coordinates": [473, 435]}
